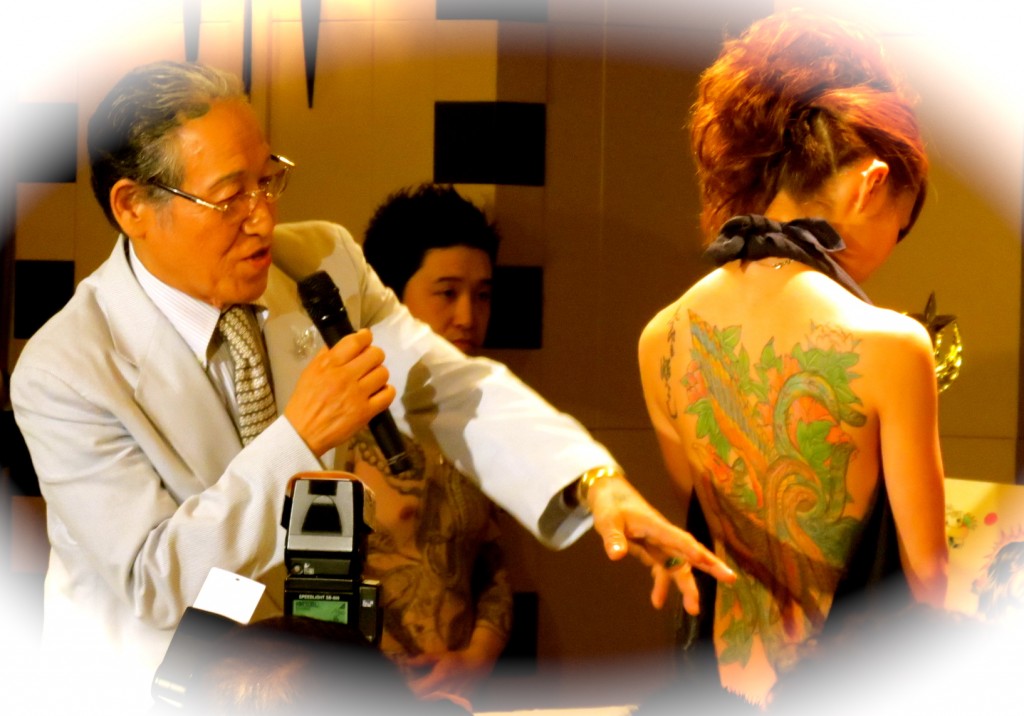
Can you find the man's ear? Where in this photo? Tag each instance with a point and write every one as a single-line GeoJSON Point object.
{"type": "Point", "coordinates": [872, 183]}
{"type": "Point", "coordinates": [129, 207]}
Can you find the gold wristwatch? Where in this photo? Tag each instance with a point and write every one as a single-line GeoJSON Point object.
{"type": "Point", "coordinates": [577, 492]}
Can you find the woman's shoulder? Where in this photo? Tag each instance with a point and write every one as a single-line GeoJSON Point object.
{"type": "Point", "coordinates": [889, 328]}
{"type": "Point", "coordinates": [708, 286]}
{"type": "Point", "coordinates": [869, 321]}
{"type": "Point", "coordinates": [895, 354]}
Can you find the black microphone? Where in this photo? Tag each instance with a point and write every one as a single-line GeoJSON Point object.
{"type": "Point", "coordinates": [322, 301]}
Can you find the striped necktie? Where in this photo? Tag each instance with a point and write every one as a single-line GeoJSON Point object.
{"type": "Point", "coordinates": [253, 394]}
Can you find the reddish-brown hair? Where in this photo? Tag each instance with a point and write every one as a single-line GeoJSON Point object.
{"type": "Point", "coordinates": [794, 99]}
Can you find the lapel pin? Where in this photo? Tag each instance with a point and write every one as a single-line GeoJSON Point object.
{"type": "Point", "coordinates": [305, 342]}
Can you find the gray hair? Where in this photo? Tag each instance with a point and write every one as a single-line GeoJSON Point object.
{"type": "Point", "coordinates": [131, 135]}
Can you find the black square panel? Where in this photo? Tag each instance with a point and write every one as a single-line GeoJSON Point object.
{"type": "Point", "coordinates": [516, 10]}
{"type": "Point", "coordinates": [41, 288]}
{"type": "Point", "coordinates": [489, 143]}
{"type": "Point", "coordinates": [517, 308]}
{"type": "Point", "coordinates": [45, 142]}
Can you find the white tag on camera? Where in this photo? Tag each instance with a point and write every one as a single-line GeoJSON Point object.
{"type": "Point", "coordinates": [229, 595]}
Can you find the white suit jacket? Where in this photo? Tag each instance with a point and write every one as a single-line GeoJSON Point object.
{"type": "Point", "coordinates": [146, 482]}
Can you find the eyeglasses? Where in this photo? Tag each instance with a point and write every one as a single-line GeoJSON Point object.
{"type": "Point", "coordinates": [241, 205]}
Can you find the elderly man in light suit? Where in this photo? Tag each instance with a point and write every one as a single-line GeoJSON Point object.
{"type": "Point", "coordinates": [127, 401]}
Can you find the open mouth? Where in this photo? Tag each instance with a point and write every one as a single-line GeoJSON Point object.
{"type": "Point", "coordinates": [262, 256]}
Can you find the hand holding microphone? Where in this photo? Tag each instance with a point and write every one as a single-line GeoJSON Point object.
{"type": "Point", "coordinates": [352, 353]}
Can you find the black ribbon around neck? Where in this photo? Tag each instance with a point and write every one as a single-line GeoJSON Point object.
{"type": "Point", "coordinates": [810, 241]}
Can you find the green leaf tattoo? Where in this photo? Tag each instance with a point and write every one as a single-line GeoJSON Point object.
{"type": "Point", "coordinates": [773, 445]}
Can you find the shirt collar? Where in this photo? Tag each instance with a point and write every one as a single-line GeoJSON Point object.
{"type": "Point", "coordinates": [194, 320]}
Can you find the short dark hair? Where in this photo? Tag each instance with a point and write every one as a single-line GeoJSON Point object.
{"type": "Point", "coordinates": [413, 220]}
{"type": "Point", "coordinates": [129, 135]}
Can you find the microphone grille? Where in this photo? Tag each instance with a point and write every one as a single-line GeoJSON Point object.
{"type": "Point", "coordinates": [318, 288]}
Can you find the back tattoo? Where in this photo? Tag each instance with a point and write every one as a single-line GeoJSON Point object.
{"type": "Point", "coordinates": [772, 452]}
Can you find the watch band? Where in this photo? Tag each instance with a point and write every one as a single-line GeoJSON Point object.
{"type": "Point", "coordinates": [577, 493]}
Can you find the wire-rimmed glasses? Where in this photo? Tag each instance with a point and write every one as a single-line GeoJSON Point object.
{"type": "Point", "coordinates": [241, 205]}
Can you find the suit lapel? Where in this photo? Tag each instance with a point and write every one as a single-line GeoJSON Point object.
{"type": "Point", "coordinates": [289, 334]}
{"type": "Point", "coordinates": [168, 379]}
{"type": "Point", "coordinates": [185, 408]}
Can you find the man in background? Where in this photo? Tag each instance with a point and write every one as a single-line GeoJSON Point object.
{"type": "Point", "coordinates": [445, 590]}
{"type": "Point", "coordinates": [436, 250]}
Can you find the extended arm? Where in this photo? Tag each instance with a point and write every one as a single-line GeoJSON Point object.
{"type": "Point", "coordinates": [492, 426]}
{"type": "Point", "coordinates": [522, 452]}
{"type": "Point", "coordinates": [494, 600]}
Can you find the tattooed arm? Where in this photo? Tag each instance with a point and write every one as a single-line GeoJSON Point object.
{"type": "Point", "coordinates": [455, 673]}
{"type": "Point", "coordinates": [494, 600]}
{"type": "Point", "coordinates": [911, 458]}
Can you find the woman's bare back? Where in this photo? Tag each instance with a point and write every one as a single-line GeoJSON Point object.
{"type": "Point", "coordinates": [770, 376]}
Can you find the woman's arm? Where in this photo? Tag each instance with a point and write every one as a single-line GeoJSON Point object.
{"type": "Point", "coordinates": [912, 459]}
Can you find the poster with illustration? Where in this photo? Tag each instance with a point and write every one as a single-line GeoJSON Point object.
{"type": "Point", "coordinates": [985, 532]}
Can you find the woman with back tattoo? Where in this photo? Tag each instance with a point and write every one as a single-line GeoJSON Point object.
{"type": "Point", "coordinates": [785, 403]}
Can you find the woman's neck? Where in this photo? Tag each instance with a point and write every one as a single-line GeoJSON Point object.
{"type": "Point", "coordinates": [785, 207]}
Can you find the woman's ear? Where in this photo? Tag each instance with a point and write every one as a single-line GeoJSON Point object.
{"type": "Point", "coordinates": [130, 209]}
{"type": "Point", "coordinates": [872, 183]}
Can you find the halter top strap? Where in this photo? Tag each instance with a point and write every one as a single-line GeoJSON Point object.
{"type": "Point", "coordinates": [810, 241]}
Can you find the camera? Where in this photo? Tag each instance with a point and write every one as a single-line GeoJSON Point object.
{"type": "Point", "coordinates": [325, 516]}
